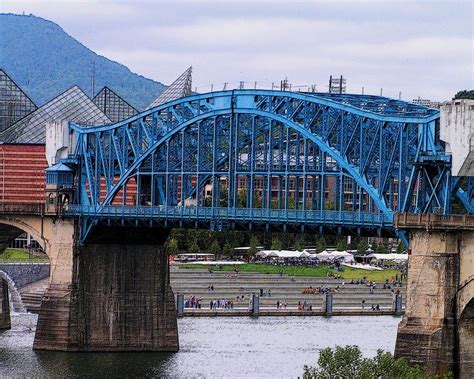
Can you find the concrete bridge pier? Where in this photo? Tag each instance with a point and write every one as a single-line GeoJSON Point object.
{"type": "Point", "coordinates": [437, 330]}
{"type": "Point", "coordinates": [110, 294]}
{"type": "Point", "coordinates": [4, 305]}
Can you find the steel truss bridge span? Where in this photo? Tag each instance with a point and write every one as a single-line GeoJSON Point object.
{"type": "Point", "coordinates": [264, 159]}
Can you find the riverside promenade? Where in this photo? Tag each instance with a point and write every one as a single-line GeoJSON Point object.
{"type": "Point", "coordinates": [239, 287]}
{"type": "Point", "coordinates": [347, 299]}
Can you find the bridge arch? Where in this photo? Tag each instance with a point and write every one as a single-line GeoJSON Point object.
{"type": "Point", "coordinates": [12, 227]}
{"type": "Point", "coordinates": [370, 143]}
{"type": "Point", "coordinates": [336, 155]}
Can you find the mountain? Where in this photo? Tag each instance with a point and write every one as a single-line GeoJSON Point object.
{"type": "Point", "coordinates": [44, 61]}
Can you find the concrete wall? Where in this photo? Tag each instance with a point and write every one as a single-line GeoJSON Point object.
{"type": "Point", "coordinates": [23, 274]}
{"type": "Point", "coordinates": [457, 130]}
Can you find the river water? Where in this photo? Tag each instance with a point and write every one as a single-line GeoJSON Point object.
{"type": "Point", "coordinates": [268, 347]}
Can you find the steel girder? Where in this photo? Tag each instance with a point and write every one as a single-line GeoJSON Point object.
{"type": "Point", "coordinates": [290, 159]}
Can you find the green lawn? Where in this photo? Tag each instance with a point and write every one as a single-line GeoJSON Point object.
{"type": "Point", "coordinates": [19, 255]}
{"type": "Point", "coordinates": [320, 271]}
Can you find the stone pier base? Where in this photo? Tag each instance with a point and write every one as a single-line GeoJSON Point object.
{"type": "Point", "coordinates": [437, 330]}
{"type": "Point", "coordinates": [119, 300]}
{"type": "Point", "coordinates": [4, 305]}
{"type": "Point", "coordinates": [427, 333]}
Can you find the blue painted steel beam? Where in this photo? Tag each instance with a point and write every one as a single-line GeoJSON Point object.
{"type": "Point", "coordinates": [268, 150]}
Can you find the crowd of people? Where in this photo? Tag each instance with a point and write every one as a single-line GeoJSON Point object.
{"type": "Point", "coordinates": [304, 306]}
{"type": "Point", "coordinates": [193, 302]}
{"type": "Point", "coordinates": [221, 304]}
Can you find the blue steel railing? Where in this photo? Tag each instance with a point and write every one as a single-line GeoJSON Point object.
{"type": "Point", "coordinates": [243, 215]}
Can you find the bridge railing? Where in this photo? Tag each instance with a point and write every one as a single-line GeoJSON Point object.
{"type": "Point", "coordinates": [256, 215]}
{"type": "Point", "coordinates": [22, 208]}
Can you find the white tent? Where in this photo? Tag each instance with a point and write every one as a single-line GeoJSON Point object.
{"type": "Point", "coordinates": [333, 255]}
{"type": "Point", "coordinates": [281, 254]}
{"type": "Point", "coordinates": [389, 257]}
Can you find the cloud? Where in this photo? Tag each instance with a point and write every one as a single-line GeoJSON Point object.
{"type": "Point", "coordinates": [422, 48]}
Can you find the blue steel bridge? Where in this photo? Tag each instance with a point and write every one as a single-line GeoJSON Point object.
{"type": "Point", "coordinates": [261, 160]}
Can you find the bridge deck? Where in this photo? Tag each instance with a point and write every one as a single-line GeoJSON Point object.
{"type": "Point", "coordinates": [239, 215]}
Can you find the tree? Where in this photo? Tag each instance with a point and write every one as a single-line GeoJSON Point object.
{"type": "Point", "coordinates": [300, 243]}
{"type": "Point", "coordinates": [172, 246]}
{"type": "Point", "coordinates": [341, 244]}
{"type": "Point", "coordinates": [382, 247]}
{"type": "Point", "coordinates": [253, 245]}
{"type": "Point", "coordinates": [347, 362]}
{"type": "Point", "coordinates": [400, 248]}
{"type": "Point", "coordinates": [227, 249]}
{"type": "Point", "coordinates": [242, 198]}
{"type": "Point", "coordinates": [193, 245]}
{"type": "Point", "coordinates": [321, 244]}
{"type": "Point", "coordinates": [362, 246]}
{"type": "Point", "coordinates": [276, 244]}
{"type": "Point", "coordinates": [464, 94]}
{"type": "Point", "coordinates": [215, 248]}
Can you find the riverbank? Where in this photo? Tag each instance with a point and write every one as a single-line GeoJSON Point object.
{"type": "Point", "coordinates": [237, 288]}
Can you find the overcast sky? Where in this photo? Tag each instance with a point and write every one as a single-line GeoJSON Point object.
{"type": "Point", "coordinates": [421, 48]}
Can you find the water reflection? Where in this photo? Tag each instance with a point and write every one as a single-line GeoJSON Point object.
{"type": "Point", "coordinates": [210, 348]}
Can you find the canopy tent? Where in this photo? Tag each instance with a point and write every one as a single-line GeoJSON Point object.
{"type": "Point", "coordinates": [389, 257]}
{"type": "Point", "coordinates": [333, 255]}
{"type": "Point", "coordinates": [282, 254]}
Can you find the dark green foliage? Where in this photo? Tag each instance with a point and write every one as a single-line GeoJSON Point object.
{"type": "Point", "coordinates": [341, 244]}
{"type": "Point", "coordinates": [45, 61]}
{"type": "Point", "coordinates": [347, 363]}
{"type": "Point", "coordinates": [171, 246]}
{"type": "Point", "coordinates": [382, 247]}
{"type": "Point", "coordinates": [400, 247]}
{"type": "Point", "coordinates": [215, 248]}
{"type": "Point", "coordinates": [321, 244]}
{"type": "Point", "coordinates": [276, 244]}
{"type": "Point", "coordinates": [241, 198]}
{"type": "Point", "coordinates": [464, 94]}
{"type": "Point", "coordinates": [362, 246]}
{"type": "Point", "coordinates": [227, 249]}
{"type": "Point", "coordinates": [300, 243]}
{"type": "Point", "coordinates": [253, 245]}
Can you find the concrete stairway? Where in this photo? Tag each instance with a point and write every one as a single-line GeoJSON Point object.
{"type": "Point", "coordinates": [227, 285]}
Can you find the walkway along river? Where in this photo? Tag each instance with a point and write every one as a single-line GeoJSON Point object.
{"type": "Point", "coordinates": [242, 347]}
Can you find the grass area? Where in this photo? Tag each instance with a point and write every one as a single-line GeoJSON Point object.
{"type": "Point", "coordinates": [20, 255]}
{"type": "Point", "coordinates": [319, 271]}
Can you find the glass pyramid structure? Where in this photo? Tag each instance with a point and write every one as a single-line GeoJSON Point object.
{"type": "Point", "coordinates": [181, 87]}
{"type": "Point", "coordinates": [72, 105]}
{"type": "Point", "coordinates": [115, 107]}
{"type": "Point", "coordinates": [14, 103]}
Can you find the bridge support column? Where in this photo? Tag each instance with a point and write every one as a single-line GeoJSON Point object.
{"type": "Point", "coordinates": [4, 305]}
{"type": "Point", "coordinates": [118, 298]}
{"type": "Point", "coordinates": [430, 334]}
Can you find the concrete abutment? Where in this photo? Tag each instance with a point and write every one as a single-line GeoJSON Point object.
{"type": "Point", "coordinates": [437, 331]}
{"type": "Point", "coordinates": [110, 294]}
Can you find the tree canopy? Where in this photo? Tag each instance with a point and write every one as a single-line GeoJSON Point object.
{"type": "Point", "coordinates": [347, 363]}
{"type": "Point", "coordinates": [464, 94]}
